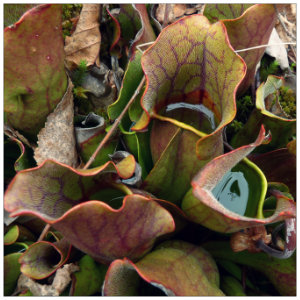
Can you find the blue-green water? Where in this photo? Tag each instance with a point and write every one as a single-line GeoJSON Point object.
{"type": "Point", "coordinates": [196, 115]}
{"type": "Point", "coordinates": [233, 192]}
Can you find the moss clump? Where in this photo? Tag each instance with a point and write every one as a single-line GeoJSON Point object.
{"type": "Point", "coordinates": [79, 73]}
{"type": "Point", "coordinates": [268, 66]}
{"type": "Point", "coordinates": [244, 107]}
{"type": "Point", "coordinates": [70, 11]}
{"type": "Point", "coordinates": [77, 78]}
{"type": "Point", "coordinates": [293, 67]}
{"type": "Point", "coordinates": [233, 128]}
{"type": "Point", "coordinates": [287, 99]}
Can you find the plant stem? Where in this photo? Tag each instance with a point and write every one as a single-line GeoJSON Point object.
{"type": "Point", "coordinates": [44, 232]}
{"type": "Point", "coordinates": [115, 125]}
{"type": "Point", "coordinates": [228, 146]}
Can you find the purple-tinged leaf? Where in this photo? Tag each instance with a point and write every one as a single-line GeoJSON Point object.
{"type": "Point", "coordinates": [24, 161]}
{"type": "Point", "coordinates": [179, 217]}
{"type": "Point", "coordinates": [146, 33]}
{"type": "Point", "coordinates": [52, 188]}
{"type": "Point", "coordinates": [192, 76]}
{"type": "Point", "coordinates": [43, 258]}
{"type": "Point", "coordinates": [60, 187]}
{"type": "Point", "coordinates": [202, 204]}
{"type": "Point", "coordinates": [131, 27]}
{"type": "Point", "coordinates": [278, 166]}
{"type": "Point", "coordinates": [247, 27]}
{"type": "Point", "coordinates": [34, 75]}
{"type": "Point", "coordinates": [107, 234]}
{"type": "Point", "coordinates": [177, 268]}
{"type": "Point", "coordinates": [67, 199]}
{"type": "Point", "coordinates": [253, 28]}
{"type": "Point", "coordinates": [121, 279]}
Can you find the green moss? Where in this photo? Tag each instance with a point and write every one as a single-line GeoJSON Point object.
{"type": "Point", "coordinates": [79, 73]}
{"type": "Point", "coordinates": [13, 12]}
{"type": "Point", "coordinates": [244, 107]}
{"type": "Point", "coordinates": [287, 99]}
{"type": "Point", "coordinates": [69, 11]}
{"type": "Point", "coordinates": [79, 92]}
{"type": "Point", "coordinates": [293, 67]}
{"type": "Point", "coordinates": [233, 128]}
{"type": "Point", "coordinates": [268, 66]}
{"type": "Point", "coordinates": [77, 78]}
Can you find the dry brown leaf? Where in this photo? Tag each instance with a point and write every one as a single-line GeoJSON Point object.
{"type": "Point", "coordinates": [160, 13]}
{"type": "Point", "coordinates": [286, 27]}
{"type": "Point", "coordinates": [175, 11]}
{"type": "Point", "coordinates": [190, 11]}
{"type": "Point", "coordinates": [57, 139]}
{"type": "Point", "coordinates": [84, 44]}
{"type": "Point", "coordinates": [179, 10]}
{"type": "Point", "coordinates": [293, 8]}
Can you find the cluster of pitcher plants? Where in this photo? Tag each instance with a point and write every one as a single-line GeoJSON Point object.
{"type": "Point", "coordinates": [137, 190]}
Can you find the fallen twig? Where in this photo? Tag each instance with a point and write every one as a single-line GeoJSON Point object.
{"type": "Point", "coordinates": [115, 125]}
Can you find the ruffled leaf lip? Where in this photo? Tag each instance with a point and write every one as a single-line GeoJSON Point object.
{"type": "Point", "coordinates": [229, 221]}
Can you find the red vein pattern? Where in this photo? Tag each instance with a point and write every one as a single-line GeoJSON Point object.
{"type": "Point", "coordinates": [67, 199]}
{"type": "Point", "coordinates": [191, 56]}
{"type": "Point", "coordinates": [191, 61]}
{"type": "Point", "coordinates": [216, 12]}
{"type": "Point", "coordinates": [253, 28]}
